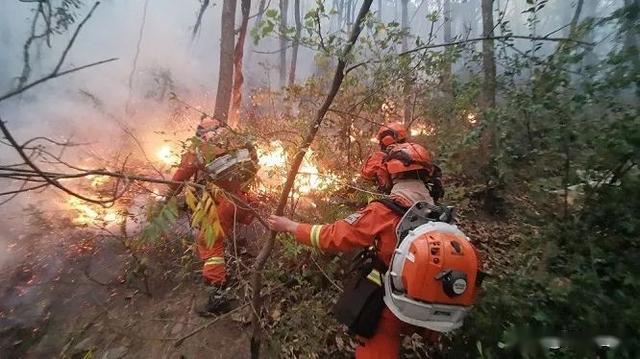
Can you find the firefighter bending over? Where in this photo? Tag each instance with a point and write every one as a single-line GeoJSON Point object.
{"type": "Point", "coordinates": [378, 323]}
{"type": "Point", "coordinates": [224, 158]}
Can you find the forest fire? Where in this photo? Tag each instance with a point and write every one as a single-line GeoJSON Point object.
{"type": "Point", "coordinates": [167, 156]}
{"type": "Point", "coordinates": [89, 214]}
{"type": "Point", "coordinates": [274, 157]}
{"type": "Point", "coordinates": [273, 161]}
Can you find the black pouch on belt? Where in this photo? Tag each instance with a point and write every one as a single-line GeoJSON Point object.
{"type": "Point", "coordinates": [361, 303]}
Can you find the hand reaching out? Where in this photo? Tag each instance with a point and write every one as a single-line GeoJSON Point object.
{"type": "Point", "coordinates": [282, 224]}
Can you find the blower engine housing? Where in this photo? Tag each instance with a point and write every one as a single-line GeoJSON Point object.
{"type": "Point", "coordinates": [432, 276]}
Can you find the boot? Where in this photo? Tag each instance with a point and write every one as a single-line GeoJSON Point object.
{"type": "Point", "coordinates": [216, 302]}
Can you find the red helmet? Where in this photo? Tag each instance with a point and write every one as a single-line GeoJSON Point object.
{"type": "Point", "coordinates": [405, 157]}
{"type": "Point", "coordinates": [391, 133]}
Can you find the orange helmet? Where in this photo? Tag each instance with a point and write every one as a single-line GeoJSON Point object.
{"type": "Point", "coordinates": [405, 157]}
{"type": "Point", "coordinates": [391, 133]}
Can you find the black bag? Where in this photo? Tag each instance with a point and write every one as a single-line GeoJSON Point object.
{"type": "Point", "coordinates": [361, 303]}
{"type": "Point", "coordinates": [434, 184]}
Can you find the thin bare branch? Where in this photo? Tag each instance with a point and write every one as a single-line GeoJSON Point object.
{"type": "Point", "coordinates": [33, 175]}
{"type": "Point", "coordinates": [73, 38]}
{"type": "Point", "coordinates": [203, 7]}
{"type": "Point", "coordinates": [51, 181]}
{"type": "Point", "coordinates": [52, 76]}
{"type": "Point", "coordinates": [476, 39]}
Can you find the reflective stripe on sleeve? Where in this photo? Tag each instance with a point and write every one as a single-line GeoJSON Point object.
{"type": "Point", "coordinates": [315, 235]}
{"type": "Point", "coordinates": [214, 261]}
{"type": "Point", "coordinates": [375, 277]}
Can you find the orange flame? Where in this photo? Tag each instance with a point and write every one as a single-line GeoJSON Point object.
{"type": "Point", "coordinates": [273, 165]}
{"type": "Point", "coordinates": [167, 156]}
{"type": "Point", "coordinates": [89, 214]}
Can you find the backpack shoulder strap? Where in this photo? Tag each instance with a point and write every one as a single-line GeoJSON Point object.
{"type": "Point", "coordinates": [394, 206]}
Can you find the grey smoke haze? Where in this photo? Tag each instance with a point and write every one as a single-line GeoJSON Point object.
{"type": "Point", "coordinates": [166, 45]}
{"type": "Point", "coordinates": [113, 32]}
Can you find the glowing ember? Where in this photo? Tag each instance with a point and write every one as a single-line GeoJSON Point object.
{"type": "Point", "coordinates": [89, 214]}
{"type": "Point", "coordinates": [167, 156]}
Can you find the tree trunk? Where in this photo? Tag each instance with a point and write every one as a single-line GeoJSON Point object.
{"type": "Point", "coordinates": [348, 11]}
{"type": "Point", "coordinates": [225, 74]}
{"type": "Point", "coordinates": [488, 59]}
{"type": "Point", "coordinates": [261, 9]}
{"type": "Point", "coordinates": [446, 72]}
{"type": "Point", "coordinates": [294, 50]}
{"type": "Point", "coordinates": [591, 11]}
{"type": "Point", "coordinates": [407, 113]}
{"type": "Point", "coordinates": [249, 55]}
{"type": "Point", "coordinates": [395, 9]}
{"type": "Point", "coordinates": [632, 39]}
{"type": "Point", "coordinates": [238, 78]}
{"type": "Point", "coordinates": [353, 10]}
{"type": "Point", "coordinates": [284, 7]}
{"type": "Point", "coordinates": [380, 10]}
{"type": "Point", "coordinates": [263, 256]}
{"type": "Point", "coordinates": [487, 102]}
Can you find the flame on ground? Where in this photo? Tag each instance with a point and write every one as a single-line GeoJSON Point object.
{"type": "Point", "coordinates": [90, 214]}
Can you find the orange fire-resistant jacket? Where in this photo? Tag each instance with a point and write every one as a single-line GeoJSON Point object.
{"type": "Point", "coordinates": [374, 223]}
{"type": "Point", "coordinates": [359, 230]}
{"type": "Point", "coordinates": [374, 170]}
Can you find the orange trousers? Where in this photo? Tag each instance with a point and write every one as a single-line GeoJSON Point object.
{"type": "Point", "coordinates": [385, 343]}
{"type": "Point", "coordinates": [213, 269]}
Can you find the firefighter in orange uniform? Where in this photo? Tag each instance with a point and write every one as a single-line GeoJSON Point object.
{"type": "Point", "coordinates": [408, 165]}
{"type": "Point", "coordinates": [214, 141]}
{"type": "Point", "coordinates": [373, 168]}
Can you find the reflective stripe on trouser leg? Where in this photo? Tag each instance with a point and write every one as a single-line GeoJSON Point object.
{"type": "Point", "coordinates": [214, 270]}
{"type": "Point", "coordinates": [214, 261]}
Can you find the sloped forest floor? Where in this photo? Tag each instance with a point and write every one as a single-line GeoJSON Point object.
{"type": "Point", "coordinates": [77, 293]}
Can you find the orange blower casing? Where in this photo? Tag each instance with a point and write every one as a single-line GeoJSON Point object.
{"type": "Point", "coordinates": [430, 255]}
